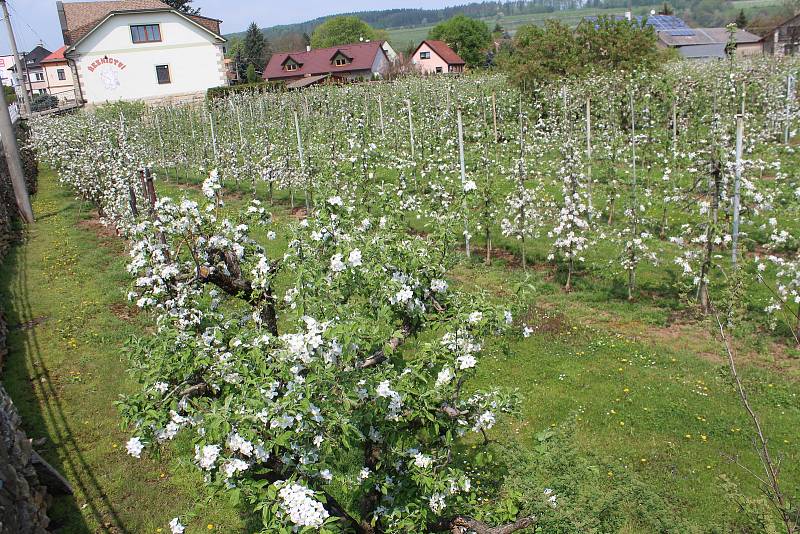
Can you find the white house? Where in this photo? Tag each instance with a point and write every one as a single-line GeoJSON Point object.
{"type": "Point", "coordinates": [140, 50]}
{"type": "Point", "coordinates": [7, 76]}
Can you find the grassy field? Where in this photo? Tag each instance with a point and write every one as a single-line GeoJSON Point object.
{"type": "Point", "coordinates": [638, 392]}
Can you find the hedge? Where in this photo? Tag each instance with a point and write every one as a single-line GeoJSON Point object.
{"type": "Point", "coordinates": [259, 87]}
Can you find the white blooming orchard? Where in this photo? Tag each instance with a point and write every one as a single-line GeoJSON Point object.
{"type": "Point", "coordinates": [327, 382]}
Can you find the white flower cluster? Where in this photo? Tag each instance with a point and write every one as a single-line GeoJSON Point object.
{"type": "Point", "coordinates": [303, 510]}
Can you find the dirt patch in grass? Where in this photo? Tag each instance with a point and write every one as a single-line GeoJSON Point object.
{"type": "Point", "coordinates": [545, 321]}
{"type": "Point", "coordinates": [123, 311]}
{"type": "Point", "coordinates": [95, 225]}
{"type": "Point", "coordinates": [691, 333]}
{"type": "Point", "coordinates": [298, 213]}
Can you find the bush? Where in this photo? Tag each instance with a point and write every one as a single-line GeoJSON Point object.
{"type": "Point", "coordinates": [44, 102]}
{"type": "Point", "coordinates": [259, 87]}
{"type": "Point", "coordinates": [10, 94]}
{"type": "Point", "coordinates": [542, 54]}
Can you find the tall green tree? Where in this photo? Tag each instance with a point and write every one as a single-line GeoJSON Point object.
{"type": "Point", "coordinates": [741, 20]}
{"type": "Point", "coordinates": [469, 38]}
{"type": "Point", "coordinates": [255, 48]}
{"type": "Point", "coordinates": [184, 6]}
{"type": "Point", "coordinates": [343, 30]}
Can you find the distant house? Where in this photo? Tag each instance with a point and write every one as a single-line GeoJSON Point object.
{"type": "Point", "coordinates": [436, 57]}
{"type": "Point", "coordinates": [33, 77]}
{"type": "Point", "coordinates": [695, 43]}
{"type": "Point", "coordinates": [7, 75]}
{"type": "Point", "coordinates": [705, 43]}
{"type": "Point", "coordinates": [141, 50]}
{"type": "Point", "coordinates": [358, 61]}
{"type": "Point", "coordinates": [784, 39]}
{"type": "Point", "coordinates": [58, 74]}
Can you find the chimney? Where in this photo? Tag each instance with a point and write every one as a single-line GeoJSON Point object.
{"type": "Point", "coordinates": [308, 48]}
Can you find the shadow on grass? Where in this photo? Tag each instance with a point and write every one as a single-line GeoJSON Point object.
{"type": "Point", "coordinates": [30, 383]}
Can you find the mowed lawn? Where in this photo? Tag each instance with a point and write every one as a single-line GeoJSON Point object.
{"type": "Point", "coordinates": [643, 394]}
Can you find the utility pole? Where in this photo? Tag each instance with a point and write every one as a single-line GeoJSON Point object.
{"type": "Point", "coordinates": [26, 101]}
{"type": "Point", "coordinates": [11, 149]}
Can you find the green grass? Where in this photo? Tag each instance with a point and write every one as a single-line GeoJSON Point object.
{"type": "Point", "coordinates": [646, 399]}
{"type": "Point", "coordinates": [655, 401]}
{"type": "Point", "coordinates": [63, 292]}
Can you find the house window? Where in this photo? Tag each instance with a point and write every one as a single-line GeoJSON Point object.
{"type": "Point", "coordinates": [424, 55]}
{"type": "Point", "coordinates": [39, 76]}
{"type": "Point", "coordinates": [341, 61]}
{"type": "Point", "coordinates": [42, 91]}
{"type": "Point", "coordinates": [61, 74]}
{"type": "Point", "coordinates": [146, 33]}
{"type": "Point", "coordinates": [162, 73]}
{"type": "Point", "coordinates": [439, 69]}
{"type": "Point", "coordinates": [291, 66]}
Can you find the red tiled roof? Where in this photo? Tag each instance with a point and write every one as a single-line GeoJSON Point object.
{"type": "Point", "coordinates": [320, 61]}
{"type": "Point", "coordinates": [444, 52]}
{"type": "Point", "coordinates": [80, 18]}
{"type": "Point", "coordinates": [56, 56]}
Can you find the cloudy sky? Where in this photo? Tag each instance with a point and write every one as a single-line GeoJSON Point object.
{"type": "Point", "coordinates": [36, 20]}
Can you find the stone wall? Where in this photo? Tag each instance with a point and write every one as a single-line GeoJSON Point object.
{"type": "Point", "coordinates": [23, 498]}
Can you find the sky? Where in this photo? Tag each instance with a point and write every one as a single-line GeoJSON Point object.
{"type": "Point", "coordinates": [36, 20]}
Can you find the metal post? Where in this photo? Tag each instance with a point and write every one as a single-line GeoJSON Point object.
{"type": "Point", "coordinates": [789, 91]}
{"type": "Point", "coordinates": [13, 42]}
{"type": "Point", "coordinates": [302, 159]}
{"type": "Point", "coordinates": [736, 186]}
{"type": "Point", "coordinates": [411, 129]}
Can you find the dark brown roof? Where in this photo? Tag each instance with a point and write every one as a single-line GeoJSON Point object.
{"type": "Point", "coordinates": [444, 52]}
{"type": "Point", "coordinates": [80, 18]}
{"type": "Point", "coordinates": [207, 22]}
{"type": "Point", "coordinates": [320, 61]}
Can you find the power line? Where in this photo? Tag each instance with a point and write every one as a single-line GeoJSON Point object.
{"type": "Point", "coordinates": [20, 17]}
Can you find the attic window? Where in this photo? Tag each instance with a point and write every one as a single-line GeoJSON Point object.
{"type": "Point", "coordinates": [146, 33]}
{"type": "Point", "coordinates": [291, 66]}
{"type": "Point", "coordinates": [424, 55]}
{"type": "Point", "coordinates": [341, 61]}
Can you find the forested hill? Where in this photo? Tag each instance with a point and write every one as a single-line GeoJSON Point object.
{"type": "Point", "coordinates": [398, 18]}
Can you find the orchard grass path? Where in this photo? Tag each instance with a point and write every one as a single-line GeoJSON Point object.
{"type": "Point", "coordinates": [63, 293]}
{"type": "Point", "coordinates": [643, 402]}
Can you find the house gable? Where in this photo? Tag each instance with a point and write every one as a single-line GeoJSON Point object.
{"type": "Point", "coordinates": [113, 35]}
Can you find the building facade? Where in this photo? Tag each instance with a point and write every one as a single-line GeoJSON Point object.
{"type": "Point", "coordinates": [784, 39]}
{"type": "Point", "coordinates": [33, 75]}
{"type": "Point", "coordinates": [140, 50]}
{"type": "Point", "coordinates": [436, 57]}
{"type": "Point", "coordinates": [60, 82]}
{"type": "Point", "coordinates": [7, 74]}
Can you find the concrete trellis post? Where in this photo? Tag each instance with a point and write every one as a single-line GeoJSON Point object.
{"type": "Point", "coordinates": [463, 179]}
{"type": "Point", "coordinates": [736, 188]}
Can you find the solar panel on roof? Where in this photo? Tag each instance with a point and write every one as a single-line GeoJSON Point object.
{"type": "Point", "coordinates": [666, 22]}
{"type": "Point", "coordinates": [681, 33]}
